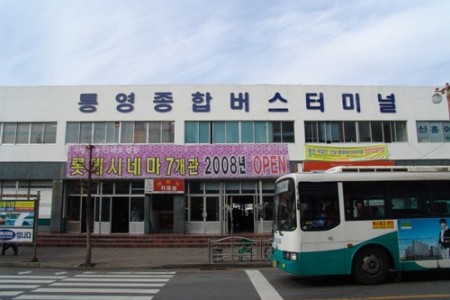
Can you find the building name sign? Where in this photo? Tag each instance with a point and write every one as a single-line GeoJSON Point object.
{"type": "Point", "coordinates": [180, 161]}
{"type": "Point", "coordinates": [203, 101]}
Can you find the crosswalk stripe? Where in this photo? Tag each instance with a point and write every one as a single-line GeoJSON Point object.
{"type": "Point", "coordinates": [31, 277]}
{"type": "Point", "coordinates": [118, 279]}
{"type": "Point", "coordinates": [92, 285]}
{"type": "Point", "coordinates": [25, 272]}
{"type": "Point", "coordinates": [130, 273]}
{"type": "Point", "coordinates": [81, 297]}
{"type": "Point", "coordinates": [97, 290]}
{"type": "Point", "coordinates": [105, 284]}
{"type": "Point", "coordinates": [60, 273]}
{"type": "Point", "coordinates": [10, 293]}
{"type": "Point", "coordinates": [121, 276]}
{"type": "Point", "coordinates": [17, 286]}
{"type": "Point", "coordinates": [27, 281]}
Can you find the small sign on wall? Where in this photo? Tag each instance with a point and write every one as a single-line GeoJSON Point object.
{"type": "Point", "coordinates": [164, 186]}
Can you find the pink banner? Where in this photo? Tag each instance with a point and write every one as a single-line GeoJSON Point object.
{"type": "Point", "coordinates": [180, 161]}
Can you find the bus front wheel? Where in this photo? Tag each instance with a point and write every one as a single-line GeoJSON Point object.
{"type": "Point", "coordinates": [371, 266]}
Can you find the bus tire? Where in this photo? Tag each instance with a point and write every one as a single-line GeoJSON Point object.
{"type": "Point", "coordinates": [371, 266]}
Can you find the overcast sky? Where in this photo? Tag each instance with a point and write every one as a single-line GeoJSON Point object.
{"type": "Point", "coordinates": [340, 42]}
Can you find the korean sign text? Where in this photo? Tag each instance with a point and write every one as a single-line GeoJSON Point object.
{"type": "Point", "coordinates": [180, 161]}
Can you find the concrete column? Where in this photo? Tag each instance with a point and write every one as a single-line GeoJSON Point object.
{"type": "Point", "coordinates": [179, 214]}
{"type": "Point", "coordinates": [148, 209]}
{"type": "Point", "coordinates": [56, 222]}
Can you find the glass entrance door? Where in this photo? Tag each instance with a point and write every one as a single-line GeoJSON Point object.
{"type": "Point", "coordinates": [102, 213]}
{"type": "Point", "coordinates": [120, 214]}
{"type": "Point", "coordinates": [242, 214]}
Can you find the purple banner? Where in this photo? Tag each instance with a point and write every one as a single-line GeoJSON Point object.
{"type": "Point", "coordinates": [180, 161]}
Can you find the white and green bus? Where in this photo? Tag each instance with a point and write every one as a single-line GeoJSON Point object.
{"type": "Point", "coordinates": [362, 221]}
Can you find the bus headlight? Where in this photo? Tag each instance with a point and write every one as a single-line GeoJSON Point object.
{"type": "Point", "coordinates": [290, 255]}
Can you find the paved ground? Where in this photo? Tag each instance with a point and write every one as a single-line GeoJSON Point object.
{"type": "Point", "coordinates": [73, 257]}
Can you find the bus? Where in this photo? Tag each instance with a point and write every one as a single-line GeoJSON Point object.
{"type": "Point", "coordinates": [362, 221]}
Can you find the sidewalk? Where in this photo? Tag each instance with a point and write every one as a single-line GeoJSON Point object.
{"type": "Point", "coordinates": [117, 258]}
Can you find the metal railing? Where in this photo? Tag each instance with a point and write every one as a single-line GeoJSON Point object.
{"type": "Point", "coordinates": [234, 249]}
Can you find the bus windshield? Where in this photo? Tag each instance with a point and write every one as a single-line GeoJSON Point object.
{"type": "Point", "coordinates": [285, 214]}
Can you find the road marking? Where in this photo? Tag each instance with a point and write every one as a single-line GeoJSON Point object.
{"type": "Point", "coordinates": [105, 284]}
{"type": "Point", "coordinates": [10, 293]}
{"type": "Point", "coordinates": [119, 279]}
{"type": "Point", "coordinates": [81, 297]}
{"type": "Point", "coordinates": [26, 281]}
{"type": "Point", "coordinates": [94, 290]}
{"type": "Point", "coordinates": [122, 276]}
{"type": "Point", "coordinates": [132, 273]}
{"type": "Point", "coordinates": [60, 273]}
{"type": "Point", "coordinates": [25, 272]}
{"type": "Point", "coordinates": [31, 277]}
{"type": "Point", "coordinates": [90, 285]}
{"type": "Point", "coordinates": [17, 286]}
{"type": "Point", "coordinates": [262, 286]}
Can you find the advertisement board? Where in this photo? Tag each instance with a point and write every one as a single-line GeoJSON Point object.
{"type": "Point", "coordinates": [17, 220]}
{"type": "Point", "coordinates": [180, 161]}
{"type": "Point", "coordinates": [361, 153]}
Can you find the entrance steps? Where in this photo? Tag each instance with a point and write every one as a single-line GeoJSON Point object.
{"type": "Point", "coordinates": [136, 241]}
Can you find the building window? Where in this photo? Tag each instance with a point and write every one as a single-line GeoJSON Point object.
{"type": "Point", "coordinates": [86, 133]}
{"type": "Point", "coordinates": [120, 132]}
{"type": "Point", "coordinates": [140, 132]}
{"type": "Point", "coordinates": [364, 132]}
{"type": "Point", "coordinates": [167, 131]}
{"type": "Point", "coordinates": [72, 133]}
{"type": "Point", "coordinates": [49, 133]}
{"type": "Point", "coordinates": [28, 133]}
{"type": "Point", "coordinates": [196, 209]}
{"type": "Point", "coordinates": [433, 132]}
{"type": "Point", "coordinates": [260, 132]}
{"type": "Point", "coordinates": [355, 132]}
{"type": "Point", "coordinates": [127, 132]}
{"type": "Point", "coordinates": [99, 132]}
{"type": "Point", "coordinates": [37, 132]}
{"type": "Point", "coordinates": [218, 132]}
{"type": "Point", "coordinates": [349, 132]}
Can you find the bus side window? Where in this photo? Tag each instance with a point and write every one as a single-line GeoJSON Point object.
{"type": "Point", "coordinates": [440, 199]}
{"type": "Point", "coordinates": [365, 200]}
{"type": "Point", "coordinates": [319, 206]}
{"type": "Point", "coordinates": [410, 200]}
{"type": "Point", "coordinates": [366, 209]}
{"type": "Point", "coordinates": [441, 208]}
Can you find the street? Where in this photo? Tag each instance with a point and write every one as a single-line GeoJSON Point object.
{"type": "Point", "coordinates": [22, 284]}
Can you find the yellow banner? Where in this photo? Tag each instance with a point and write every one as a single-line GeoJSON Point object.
{"type": "Point", "coordinates": [16, 205]}
{"type": "Point", "coordinates": [363, 153]}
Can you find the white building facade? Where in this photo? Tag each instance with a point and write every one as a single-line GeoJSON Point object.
{"type": "Point", "coordinates": [200, 158]}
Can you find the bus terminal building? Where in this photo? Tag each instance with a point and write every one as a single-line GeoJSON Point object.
{"type": "Point", "coordinates": [201, 158]}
